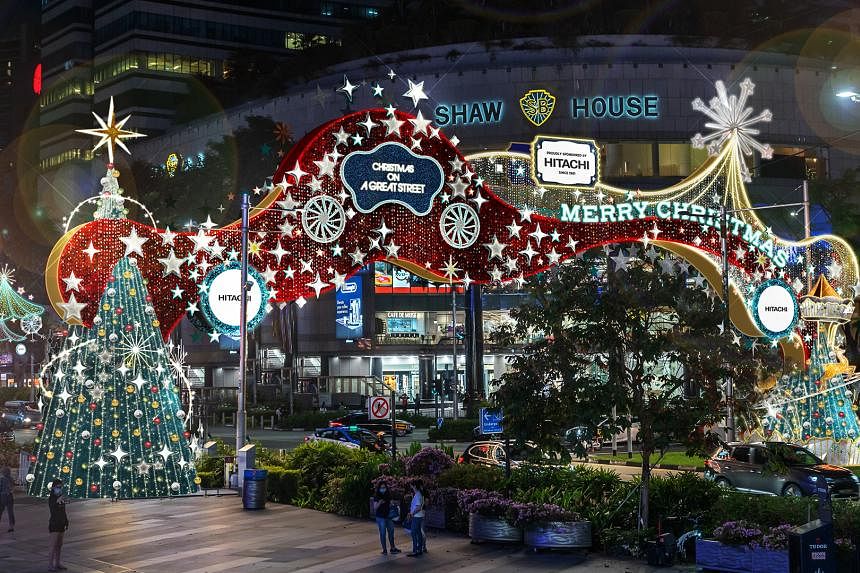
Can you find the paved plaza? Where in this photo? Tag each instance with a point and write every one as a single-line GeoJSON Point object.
{"type": "Point", "coordinates": [214, 534]}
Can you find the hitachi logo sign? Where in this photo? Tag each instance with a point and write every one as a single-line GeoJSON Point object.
{"type": "Point", "coordinates": [776, 309]}
{"type": "Point", "coordinates": [561, 163]}
{"type": "Point", "coordinates": [231, 298]}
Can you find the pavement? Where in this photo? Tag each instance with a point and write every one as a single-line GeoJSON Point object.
{"type": "Point", "coordinates": [215, 535]}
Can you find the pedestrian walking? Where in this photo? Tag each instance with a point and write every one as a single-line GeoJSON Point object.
{"type": "Point", "coordinates": [7, 501]}
{"type": "Point", "coordinates": [57, 525]}
{"type": "Point", "coordinates": [416, 515]}
{"type": "Point", "coordinates": [385, 512]}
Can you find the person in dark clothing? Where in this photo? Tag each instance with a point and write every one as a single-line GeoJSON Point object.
{"type": "Point", "coordinates": [57, 525]}
{"type": "Point", "coordinates": [385, 512]}
{"type": "Point", "coordinates": [7, 500]}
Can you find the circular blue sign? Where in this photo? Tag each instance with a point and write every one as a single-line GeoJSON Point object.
{"type": "Point", "coordinates": [775, 309]}
{"type": "Point", "coordinates": [220, 298]}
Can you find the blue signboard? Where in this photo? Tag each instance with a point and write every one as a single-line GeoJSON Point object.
{"type": "Point", "coordinates": [491, 420]}
{"type": "Point", "coordinates": [391, 173]}
{"type": "Point", "coordinates": [348, 311]}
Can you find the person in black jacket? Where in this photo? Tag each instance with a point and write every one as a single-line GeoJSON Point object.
{"type": "Point", "coordinates": [58, 524]}
{"type": "Point", "coordinates": [384, 518]}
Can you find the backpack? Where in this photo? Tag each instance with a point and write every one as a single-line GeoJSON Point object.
{"type": "Point", "coordinates": [5, 485]}
{"type": "Point", "coordinates": [394, 512]}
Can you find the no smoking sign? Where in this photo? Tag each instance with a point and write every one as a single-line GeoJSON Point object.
{"type": "Point", "coordinates": [378, 408]}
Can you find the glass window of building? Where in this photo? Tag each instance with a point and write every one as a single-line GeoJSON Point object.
{"type": "Point", "coordinates": [679, 159]}
{"type": "Point", "coordinates": [628, 160]}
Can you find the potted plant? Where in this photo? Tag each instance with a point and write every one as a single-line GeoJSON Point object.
{"type": "Point", "coordinates": [742, 546]}
{"type": "Point", "coordinates": [847, 556]}
{"type": "Point", "coordinates": [548, 526]}
{"type": "Point", "coordinates": [490, 516]}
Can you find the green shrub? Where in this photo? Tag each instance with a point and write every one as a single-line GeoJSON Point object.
{"type": "Point", "coordinates": [282, 485]}
{"type": "Point", "coordinates": [765, 511]}
{"type": "Point", "coordinates": [334, 478]}
{"type": "Point", "coordinates": [349, 493]}
{"type": "Point", "coordinates": [469, 476]}
{"type": "Point", "coordinates": [681, 495]}
{"type": "Point", "coordinates": [310, 420]}
{"type": "Point", "coordinates": [211, 480]}
{"type": "Point", "coordinates": [846, 519]}
{"type": "Point", "coordinates": [413, 448]}
{"type": "Point", "coordinates": [458, 430]}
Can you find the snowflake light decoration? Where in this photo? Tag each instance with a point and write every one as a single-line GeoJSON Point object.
{"type": "Point", "coordinates": [136, 349]}
{"type": "Point", "coordinates": [733, 123]}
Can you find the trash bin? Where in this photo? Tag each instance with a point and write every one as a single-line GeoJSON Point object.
{"type": "Point", "coordinates": [254, 489]}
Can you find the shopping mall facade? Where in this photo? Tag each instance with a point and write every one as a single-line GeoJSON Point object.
{"type": "Point", "coordinates": [632, 94]}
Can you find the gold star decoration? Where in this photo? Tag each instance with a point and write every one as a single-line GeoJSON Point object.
{"type": "Point", "coordinates": [111, 132]}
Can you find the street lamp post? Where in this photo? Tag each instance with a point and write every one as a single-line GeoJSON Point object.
{"type": "Point", "coordinates": [455, 382]}
{"type": "Point", "coordinates": [243, 330]}
{"type": "Point", "coordinates": [724, 240]}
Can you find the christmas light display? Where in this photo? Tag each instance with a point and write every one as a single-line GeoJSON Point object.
{"type": "Point", "coordinates": [313, 230]}
{"type": "Point", "coordinates": [14, 307]}
{"type": "Point", "coordinates": [113, 425]}
{"type": "Point", "coordinates": [816, 406]}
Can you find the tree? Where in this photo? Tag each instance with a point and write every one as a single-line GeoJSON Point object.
{"type": "Point", "coordinates": [638, 339]}
{"type": "Point", "coordinates": [238, 162]}
{"type": "Point", "coordinates": [113, 423]}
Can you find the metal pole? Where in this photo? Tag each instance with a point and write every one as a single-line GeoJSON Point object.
{"type": "Point", "coordinates": [614, 434]}
{"type": "Point", "coordinates": [393, 429]}
{"type": "Point", "coordinates": [807, 229]}
{"type": "Point", "coordinates": [454, 345]}
{"type": "Point", "coordinates": [32, 378]}
{"type": "Point", "coordinates": [724, 252]}
{"type": "Point", "coordinates": [243, 329]}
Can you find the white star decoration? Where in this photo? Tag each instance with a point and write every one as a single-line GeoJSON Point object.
{"type": "Point", "coordinates": [415, 92]}
{"type": "Point", "coordinates": [133, 243]}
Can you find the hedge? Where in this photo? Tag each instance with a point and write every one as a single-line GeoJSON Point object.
{"type": "Point", "coordinates": [459, 430]}
{"type": "Point", "coordinates": [282, 485]}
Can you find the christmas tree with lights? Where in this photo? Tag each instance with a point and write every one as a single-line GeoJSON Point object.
{"type": "Point", "coordinates": [14, 307]}
{"type": "Point", "coordinates": [816, 407]}
{"type": "Point", "coordinates": [113, 423]}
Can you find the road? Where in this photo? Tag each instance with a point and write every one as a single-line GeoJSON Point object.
{"type": "Point", "coordinates": [287, 440]}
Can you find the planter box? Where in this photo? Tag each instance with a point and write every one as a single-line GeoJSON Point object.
{"type": "Point", "coordinates": [435, 517]}
{"type": "Point", "coordinates": [558, 535]}
{"type": "Point", "coordinates": [730, 558]}
{"type": "Point", "coordinates": [493, 529]}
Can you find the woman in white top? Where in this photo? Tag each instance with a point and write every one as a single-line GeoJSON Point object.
{"type": "Point", "coordinates": [416, 514]}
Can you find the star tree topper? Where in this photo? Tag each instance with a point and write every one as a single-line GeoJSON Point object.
{"type": "Point", "coordinates": [111, 132]}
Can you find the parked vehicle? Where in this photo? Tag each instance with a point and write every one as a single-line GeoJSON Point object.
{"type": "Point", "coordinates": [351, 437]}
{"type": "Point", "coordinates": [361, 420]}
{"type": "Point", "coordinates": [7, 432]}
{"type": "Point", "coordinates": [778, 468]}
{"type": "Point", "coordinates": [20, 418]}
{"type": "Point", "coordinates": [492, 453]}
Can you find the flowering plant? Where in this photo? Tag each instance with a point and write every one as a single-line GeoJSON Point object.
{"type": "Point", "coordinates": [397, 486]}
{"type": "Point", "coordinates": [777, 538]}
{"type": "Point", "coordinates": [486, 503]}
{"type": "Point", "coordinates": [738, 533]}
{"type": "Point", "coordinates": [428, 462]}
{"type": "Point", "coordinates": [526, 513]}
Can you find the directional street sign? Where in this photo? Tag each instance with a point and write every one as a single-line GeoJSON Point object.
{"type": "Point", "coordinates": [491, 421]}
{"type": "Point", "coordinates": [378, 408]}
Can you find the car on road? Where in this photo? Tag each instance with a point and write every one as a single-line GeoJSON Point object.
{"type": "Point", "coordinates": [778, 468]}
{"type": "Point", "coordinates": [492, 453]}
{"type": "Point", "coordinates": [7, 432]}
{"type": "Point", "coordinates": [362, 420]}
{"type": "Point", "coordinates": [351, 437]}
{"type": "Point", "coordinates": [21, 417]}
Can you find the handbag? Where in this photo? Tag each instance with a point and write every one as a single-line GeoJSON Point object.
{"type": "Point", "coordinates": [407, 524]}
{"type": "Point", "coordinates": [394, 512]}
